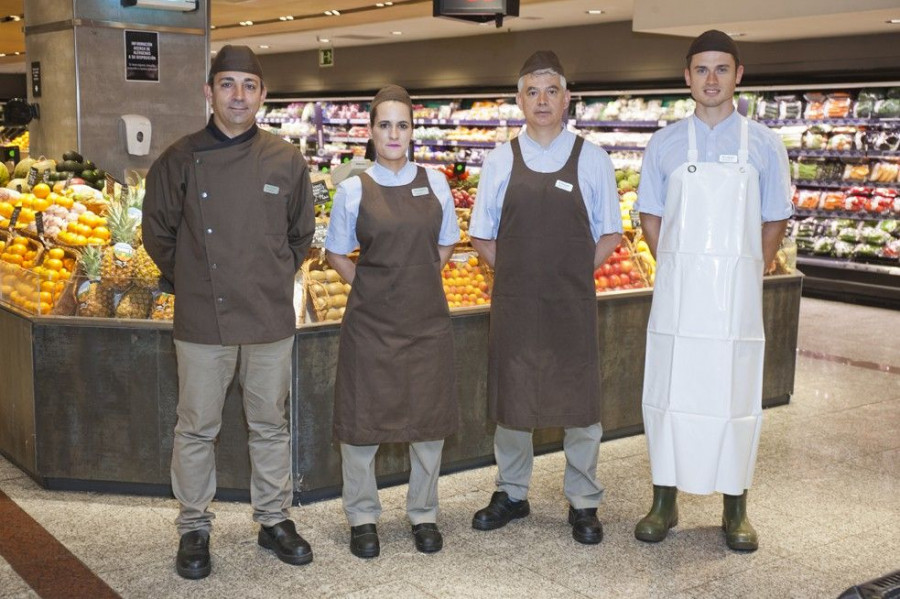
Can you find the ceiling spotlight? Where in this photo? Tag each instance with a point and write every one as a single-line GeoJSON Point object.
{"type": "Point", "coordinates": [324, 40]}
{"type": "Point", "coordinates": [212, 26]}
{"type": "Point", "coordinates": [15, 17]}
{"type": "Point", "coordinates": [893, 21]}
{"type": "Point", "coordinates": [594, 11]}
{"type": "Point", "coordinates": [264, 46]}
{"type": "Point", "coordinates": [2, 54]}
{"type": "Point", "coordinates": [336, 13]}
{"type": "Point", "coordinates": [388, 3]}
{"type": "Point", "coordinates": [379, 4]}
{"type": "Point", "coordinates": [286, 18]}
{"type": "Point", "coordinates": [735, 33]}
{"type": "Point", "coordinates": [396, 33]}
{"type": "Point", "coordinates": [246, 23]}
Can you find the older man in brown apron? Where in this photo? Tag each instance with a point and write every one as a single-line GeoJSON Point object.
{"type": "Point", "coordinates": [547, 215]}
{"type": "Point", "coordinates": [228, 217]}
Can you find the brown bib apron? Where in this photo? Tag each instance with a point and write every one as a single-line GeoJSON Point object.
{"type": "Point", "coordinates": [395, 379]}
{"type": "Point", "coordinates": [543, 364]}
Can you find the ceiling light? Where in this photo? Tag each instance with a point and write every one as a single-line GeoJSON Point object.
{"type": "Point", "coordinates": [264, 46]}
{"type": "Point", "coordinates": [212, 26]}
{"type": "Point", "coordinates": [735, 34]}
{"type": "Point", "coordinates": [15, 17]}
{"type": "Point", "coordinates": [286, 18]}
{"type": "Point", "coordinates": [336, 13]}
{"type": "Point", "coordinates": [396, 33]}
{"type": "Point", "coordinates": [246, 23]}
{"type": "Point", "coordinates": [388, 3]}
{"type": "Point", "coordinates": [324, 40]}
{"type": "Point", "coordinates": [379, 4]}
{"type": "Point", "coordinates": [893, 21]}
{"type": "Point", "coordinates": [594, 11]}
{"type": "Point", "coordinates": [2, 54]}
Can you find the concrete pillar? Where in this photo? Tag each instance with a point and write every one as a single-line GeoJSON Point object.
{"type": "Point", "coordinates": [81, 48]}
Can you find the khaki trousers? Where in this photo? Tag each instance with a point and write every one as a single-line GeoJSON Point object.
{"type": "Point", "coordinates": [360, 492]}
{"type": "Point", "coordinates": [514, 452]}
{"type": "Point", "coordinates": [204, 373]}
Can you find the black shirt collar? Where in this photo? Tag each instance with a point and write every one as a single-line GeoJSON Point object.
{"type": "Point", "coordinates": [230, 141]}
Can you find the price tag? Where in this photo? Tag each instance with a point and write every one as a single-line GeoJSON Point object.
{"type": "Point", "coordinates": [14, 217]}
{"type": "Point", "coordinates": [503, 122]}
{"type": "Point", "coordinates": [32, 176]}
{"type": "Point", "coordinates": [110, 185]}
{"type": "Point", "coordinates": [635, 218]}
{"type": "Point", "coordinates": [39, 224]}
{"type": "Point", "coordinates": [126, 194]}
{"type": "Point", "coordinates": [452, 142]}
{"type": "Point", "coordinates": [320, 193]}
{"type": "Point", "coordinates": [662, 123]}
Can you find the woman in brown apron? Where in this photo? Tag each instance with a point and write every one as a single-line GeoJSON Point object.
{"type": "Point", "coordinates": [395, 379]}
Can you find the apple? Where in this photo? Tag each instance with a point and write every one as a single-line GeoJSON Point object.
{"type": "Point", "coordinates": [602, 282]}
{"type": "Point", "coordinates": [626, 266]}
{"type": "Point", "coordinates": [615, 281]}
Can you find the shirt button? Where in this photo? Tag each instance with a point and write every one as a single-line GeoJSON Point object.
{"type": "Point", "coordinates": [214, 266]}
{"type": "Point", "coordinates": [221, 300]}
{"type": "Point", "coordinates": [197, 161]}
{"type": "Point", "coordinates": [203, 195]}
{"type": "Point", "coordinates": [209, 231]}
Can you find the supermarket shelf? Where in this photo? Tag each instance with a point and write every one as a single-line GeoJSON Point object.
{"type": "Point", "coordinates": [873, 122]}
{"type": "Point", "coordinates": [327, 121]}
{"type": "Point", "coordinates": [471, 123]}
{"type": "Point", "coordinates": [445, 162]}
{"type": "Point", "coordinates": [346, 140]}
{"type": "Point", "coordinates": [863, 154]}
{"type": "Point", "coordinates": [859, 215]}
{"type": "Point", "coordinates": [842, 184]}
{"type": "Point", "coordinates": [623, 124]}
{"type": "Point", "coordinates": [453, 143]}
{"type": "Point", "coordinates": [858, 283]}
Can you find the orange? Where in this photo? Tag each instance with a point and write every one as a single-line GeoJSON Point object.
{"type": "Point", "coordinates": [6, 209]}
{"type": "Point", "coordinates": [13, 259]}
{"type": "Point", "coordinates": [20, 241]}
{"type": "Point", "coordinates": [56, 253]}
{"type": "Point", "coordinates": [101, 231]}
{"type": "Point", "coordinates": [40, 205]}
{"type": "Point", "coordinates": [17, 249]}
{"type": "Point", "coordinates": [53, 264]}
{"type": "Point", "coordinates": [65, 201]}
{"type": "Point", "coordinates": [41, 190]}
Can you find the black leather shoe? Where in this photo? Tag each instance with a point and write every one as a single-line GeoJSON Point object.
{"type": "Point", "coordinates": [586, 528]}
{"type": "Point", "coordinates": [285, 542]}
{"type": "Point", "coordinates": [428, 537]}
{"type": "Point", "coordinates": [499, 512]}
{"type": "Point", "coordinates": [193, 555]}
{"type": "Point", "coordinates": [364, 541]}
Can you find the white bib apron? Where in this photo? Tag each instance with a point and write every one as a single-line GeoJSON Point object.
{"type": "Point", "coordinates": [702, 396]}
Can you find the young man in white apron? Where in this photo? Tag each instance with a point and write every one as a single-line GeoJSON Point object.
{"type": "Point", "coordinates": [714, 200]}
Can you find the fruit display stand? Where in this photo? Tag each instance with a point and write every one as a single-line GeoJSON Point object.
{"type": "Point", "coordinates": [89, 403]}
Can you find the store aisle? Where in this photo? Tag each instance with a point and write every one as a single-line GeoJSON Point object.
{"type": "Point", "coordinates": [826, 503]}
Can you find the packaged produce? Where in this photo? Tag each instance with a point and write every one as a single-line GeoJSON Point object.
{"type": "Point", "coordinates": [789, 107]}
{"type": "Point", "coordinates": [792, 136]}
{"type": "Point", "coordinates": [815, 138]}
{"type": "Point", "coordinates": [843, 249]}
{"type": "Point", "coordinates": [888, 108]}
{"type": "Point", "coordinates": [824, 246]}
{"type": "Point", "coordinates": [884, 172]}
{"type": "Point", "coordinates": [890, 250]}
{"type": "Point", "coordinates": [805, 170]}
{"type": "Point", "coordinates": [864, 250]}
{"type": "Point", "coordinates": [808, 199]}
{"type": "Point", "coordinates": [815, 106]}
{"type": "Point", "coordinates": [878, 204]}
{"type": "Point", "coordinates": [874, 236]}
{"type": "Point", "coordinates": [842, 140]}
{"type": "Point", "coordinates": [885, 140]}
{"type": "Point", "coordinates": [767, 108]}
{"type": "Point", "coordinates": [832, 200]}
{"type": "Point", "coordinates": [837, 105]}
{"type": "Point", "coordinates": [856, 172]}
{"type": "Point", "coordinates": [850, 235]}
{"type": "Point", "coordinates": [890, 225]}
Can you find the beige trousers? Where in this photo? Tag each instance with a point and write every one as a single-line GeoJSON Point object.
{"type": "Point", "coordinates": [360, 492]}
{"type": "Point", "coordinates": [514, 452]}
{"type": "Point", "coordinates": [204, 373]}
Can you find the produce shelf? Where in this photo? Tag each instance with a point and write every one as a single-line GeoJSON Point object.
{"type": "Point", "coordinates": [455, 143]}
{"type": "Point", "coordinates": [852, 282]}
{"type": "Point", "coordinates": [846, 122]}
{"type": "Point", "coordinates": [858, 215]}
{"type": "Point", "coordinates": [842, 184]}
{"type": "Point", "coordinates": [623, 124]}
{"type": "Point", "coordinates": [470, 123]}
{"type": "Point", "coordinates": [862, 154]}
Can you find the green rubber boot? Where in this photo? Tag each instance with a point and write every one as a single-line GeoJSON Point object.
{"type": "Point", "coordinates": [739, 534]}
{"type": "Point", "coordinates": [663, 515]}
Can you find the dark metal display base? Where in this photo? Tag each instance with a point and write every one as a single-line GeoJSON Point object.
{"type": "Point", "coordinates": [868, 285]}
{"type": "Point", "coordinates": [89, 404]}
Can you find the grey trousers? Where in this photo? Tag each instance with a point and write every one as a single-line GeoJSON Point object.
{"type": "Point", "coordinates": [514, 452]}
{"type": "Point", "coordinates": [360, 492]}
{"type": "Point", "coordinates": [204, 373]}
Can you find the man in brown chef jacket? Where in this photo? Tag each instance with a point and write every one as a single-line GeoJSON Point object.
{"type": "Point", "coordinates": [228, 217]}
{"type": "Point", "coordinates": [547, 215]}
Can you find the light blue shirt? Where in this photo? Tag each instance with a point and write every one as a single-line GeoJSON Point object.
{"type": "Point", "coordinates": [596, 178]}
{"type": "Point", "coordinates": [341, 238]}
{"type": "Point", "coordinates": [668, 148]}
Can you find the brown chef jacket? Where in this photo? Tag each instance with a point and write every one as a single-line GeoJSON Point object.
{"type": "Point", "coordinates": [228, 222]}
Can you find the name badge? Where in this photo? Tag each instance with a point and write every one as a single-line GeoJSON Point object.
{"type": "Point", "coordinates": [728, 158]}
{"type": "Point", "coordinates": [268, 188]}
{"type": "Point", "coordinates": [420, 191]}
{"type": "Point", "coordinates": [564, 186]}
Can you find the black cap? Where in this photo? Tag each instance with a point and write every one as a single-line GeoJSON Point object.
{"type": "Point", "coordinates": [714, 41]}
{"type": "Point", "coordinates": [236, 58]}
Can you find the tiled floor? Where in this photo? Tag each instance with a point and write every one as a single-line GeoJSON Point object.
{"type": "Point", "coordinates": [826, 502]}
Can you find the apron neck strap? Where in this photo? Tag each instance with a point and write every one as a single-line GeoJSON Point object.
{"type": "Point", "coordinates": [692, 141]}
{"type": "Point", "coordinates": [744, 153]}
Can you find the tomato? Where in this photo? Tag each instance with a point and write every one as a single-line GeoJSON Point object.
{"type": "Point", "coordinates": [624, 279]}
{"type": "Point", "coordinates": [627, 266]}
{"type": "Point", "coordinates": [615, 281]}
{"type": "Point", "coordinates": [602, 282]}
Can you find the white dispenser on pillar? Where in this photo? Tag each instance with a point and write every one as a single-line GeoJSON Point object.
{"type": "Point", "coordinates": [137, 134]}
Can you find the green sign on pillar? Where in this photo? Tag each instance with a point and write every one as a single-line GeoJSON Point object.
{"type": "Point", "coordinates": [326, 57]}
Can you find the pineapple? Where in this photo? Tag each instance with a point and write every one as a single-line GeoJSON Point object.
{"type": "Point", "coordinates": [117, 268]}
{"type": "Point", "coordinates": [163, 307]}
{"type": "Point", "coordinates": [93, 299]}
{"type": "Point", "coordinates": [135, 303]}
{"type": "Point", "coordinates": [146, 273]}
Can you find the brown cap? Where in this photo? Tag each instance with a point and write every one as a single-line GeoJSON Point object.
{"type": "Point", "coordinates": [714, 41]}
{"type": "Point", "coordinates": [389, 93]}
{"type": "Point", "coordinates": [542, 59]}
{"type": "Point", "coordinates": [235, 58]}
